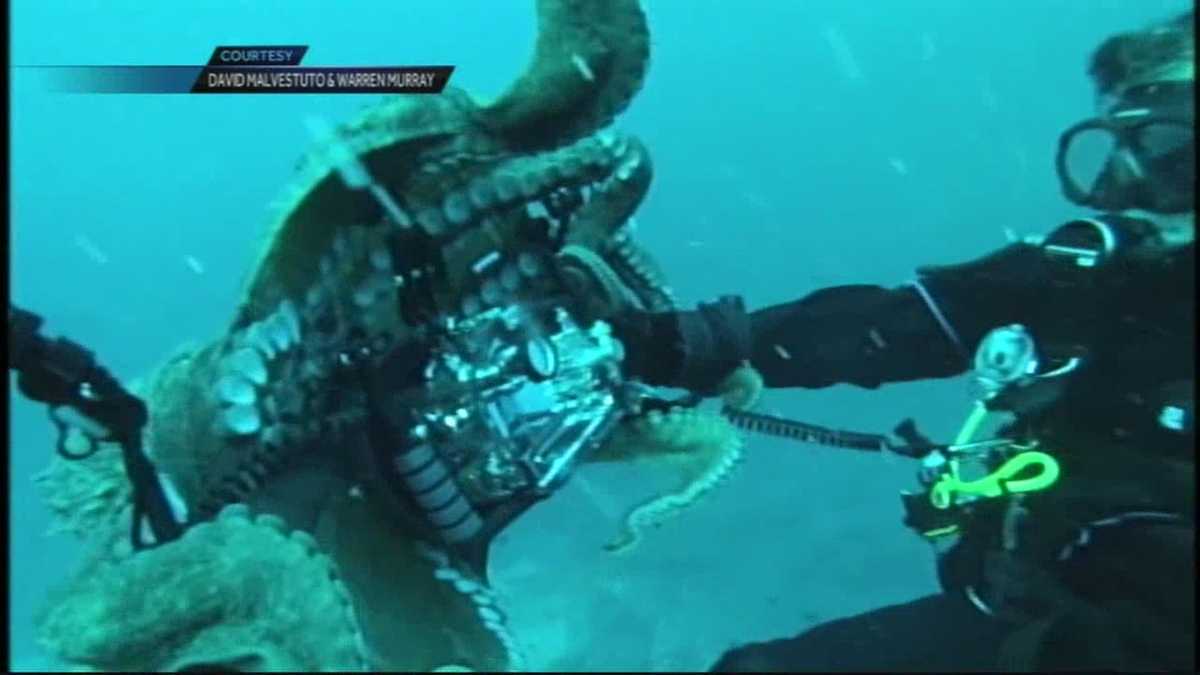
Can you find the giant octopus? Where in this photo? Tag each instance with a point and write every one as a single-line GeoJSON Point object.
{"type": "Point", "coordinates": [297, 556]}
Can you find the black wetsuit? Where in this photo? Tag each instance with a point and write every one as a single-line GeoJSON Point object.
{"type": "Point", "coordinates": [1131, 320]}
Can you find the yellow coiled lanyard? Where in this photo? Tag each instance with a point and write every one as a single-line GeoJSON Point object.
{"type": "Point", "coordinates": [951, 490]}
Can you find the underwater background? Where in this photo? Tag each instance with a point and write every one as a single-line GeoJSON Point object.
{"type": "Point", "coordinates": [796, 144]}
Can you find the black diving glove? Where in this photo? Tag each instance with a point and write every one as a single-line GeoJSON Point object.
{"type": "Point", "coordinates": [695, 350]}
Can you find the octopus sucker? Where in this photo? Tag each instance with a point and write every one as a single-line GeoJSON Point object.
{"type": "Point", "coordinates": [704, 447]}
{"type": "Point", "coordinates": [487, 613]}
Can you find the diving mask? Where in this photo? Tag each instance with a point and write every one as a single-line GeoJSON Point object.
{"type": "Point", "coordinates": [1140, 155]}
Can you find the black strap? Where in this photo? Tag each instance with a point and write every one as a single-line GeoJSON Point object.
{"type": "Point", "coordinates": [149, 498]}
{"type": "Point", "coordinates": [62, 373]}
{"type": "Point", "coordinates": [806, 433]}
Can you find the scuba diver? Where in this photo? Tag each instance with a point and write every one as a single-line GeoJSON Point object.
{"type": "Point", "coordinates": [1071, 546]}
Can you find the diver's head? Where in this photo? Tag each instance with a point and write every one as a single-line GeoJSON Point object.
{"type": "Point", "coordinates": [1139, 152]}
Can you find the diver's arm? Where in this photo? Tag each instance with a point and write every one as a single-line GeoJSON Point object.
{"type": "Point", "coordinates": [860, 335]}
{"type": "Point", "coordinates": [855, 334]}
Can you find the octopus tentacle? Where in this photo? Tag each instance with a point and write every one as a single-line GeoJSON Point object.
{"type": "Point", "coordinates": [742, 388]}
{"type": "Point", "coordinates": [604, 289]}
{"type": "Point", "coordinates": [236, 591]}
{"type": "Point", "coordinates": [705, 446]}
{"type": "Point", "coordinates": [634, 264]}
{"type": "Point", "coordinates": [590, 60]}
{"type": "Point", "coordinates": [419, 608]}
{"type": "Point", "coordinates": [486, 606]}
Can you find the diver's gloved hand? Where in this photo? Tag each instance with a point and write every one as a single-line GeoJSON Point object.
{"type": "Point", "coordinates": [694, 349]}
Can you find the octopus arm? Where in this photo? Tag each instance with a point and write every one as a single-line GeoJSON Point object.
{"type": "Point", "coordinates": [702, 447]}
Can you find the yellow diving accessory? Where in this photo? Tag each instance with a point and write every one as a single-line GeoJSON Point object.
{"type": "Point", "coordinates": [997, 483]}
{"type": "Point", "coordinates": [1000, 481]}
{"type": "Point", "coordinates": [1024, 469]}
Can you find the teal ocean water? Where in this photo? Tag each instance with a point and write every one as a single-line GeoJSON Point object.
{"type": "Point", "coordinates": [797, 144]}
